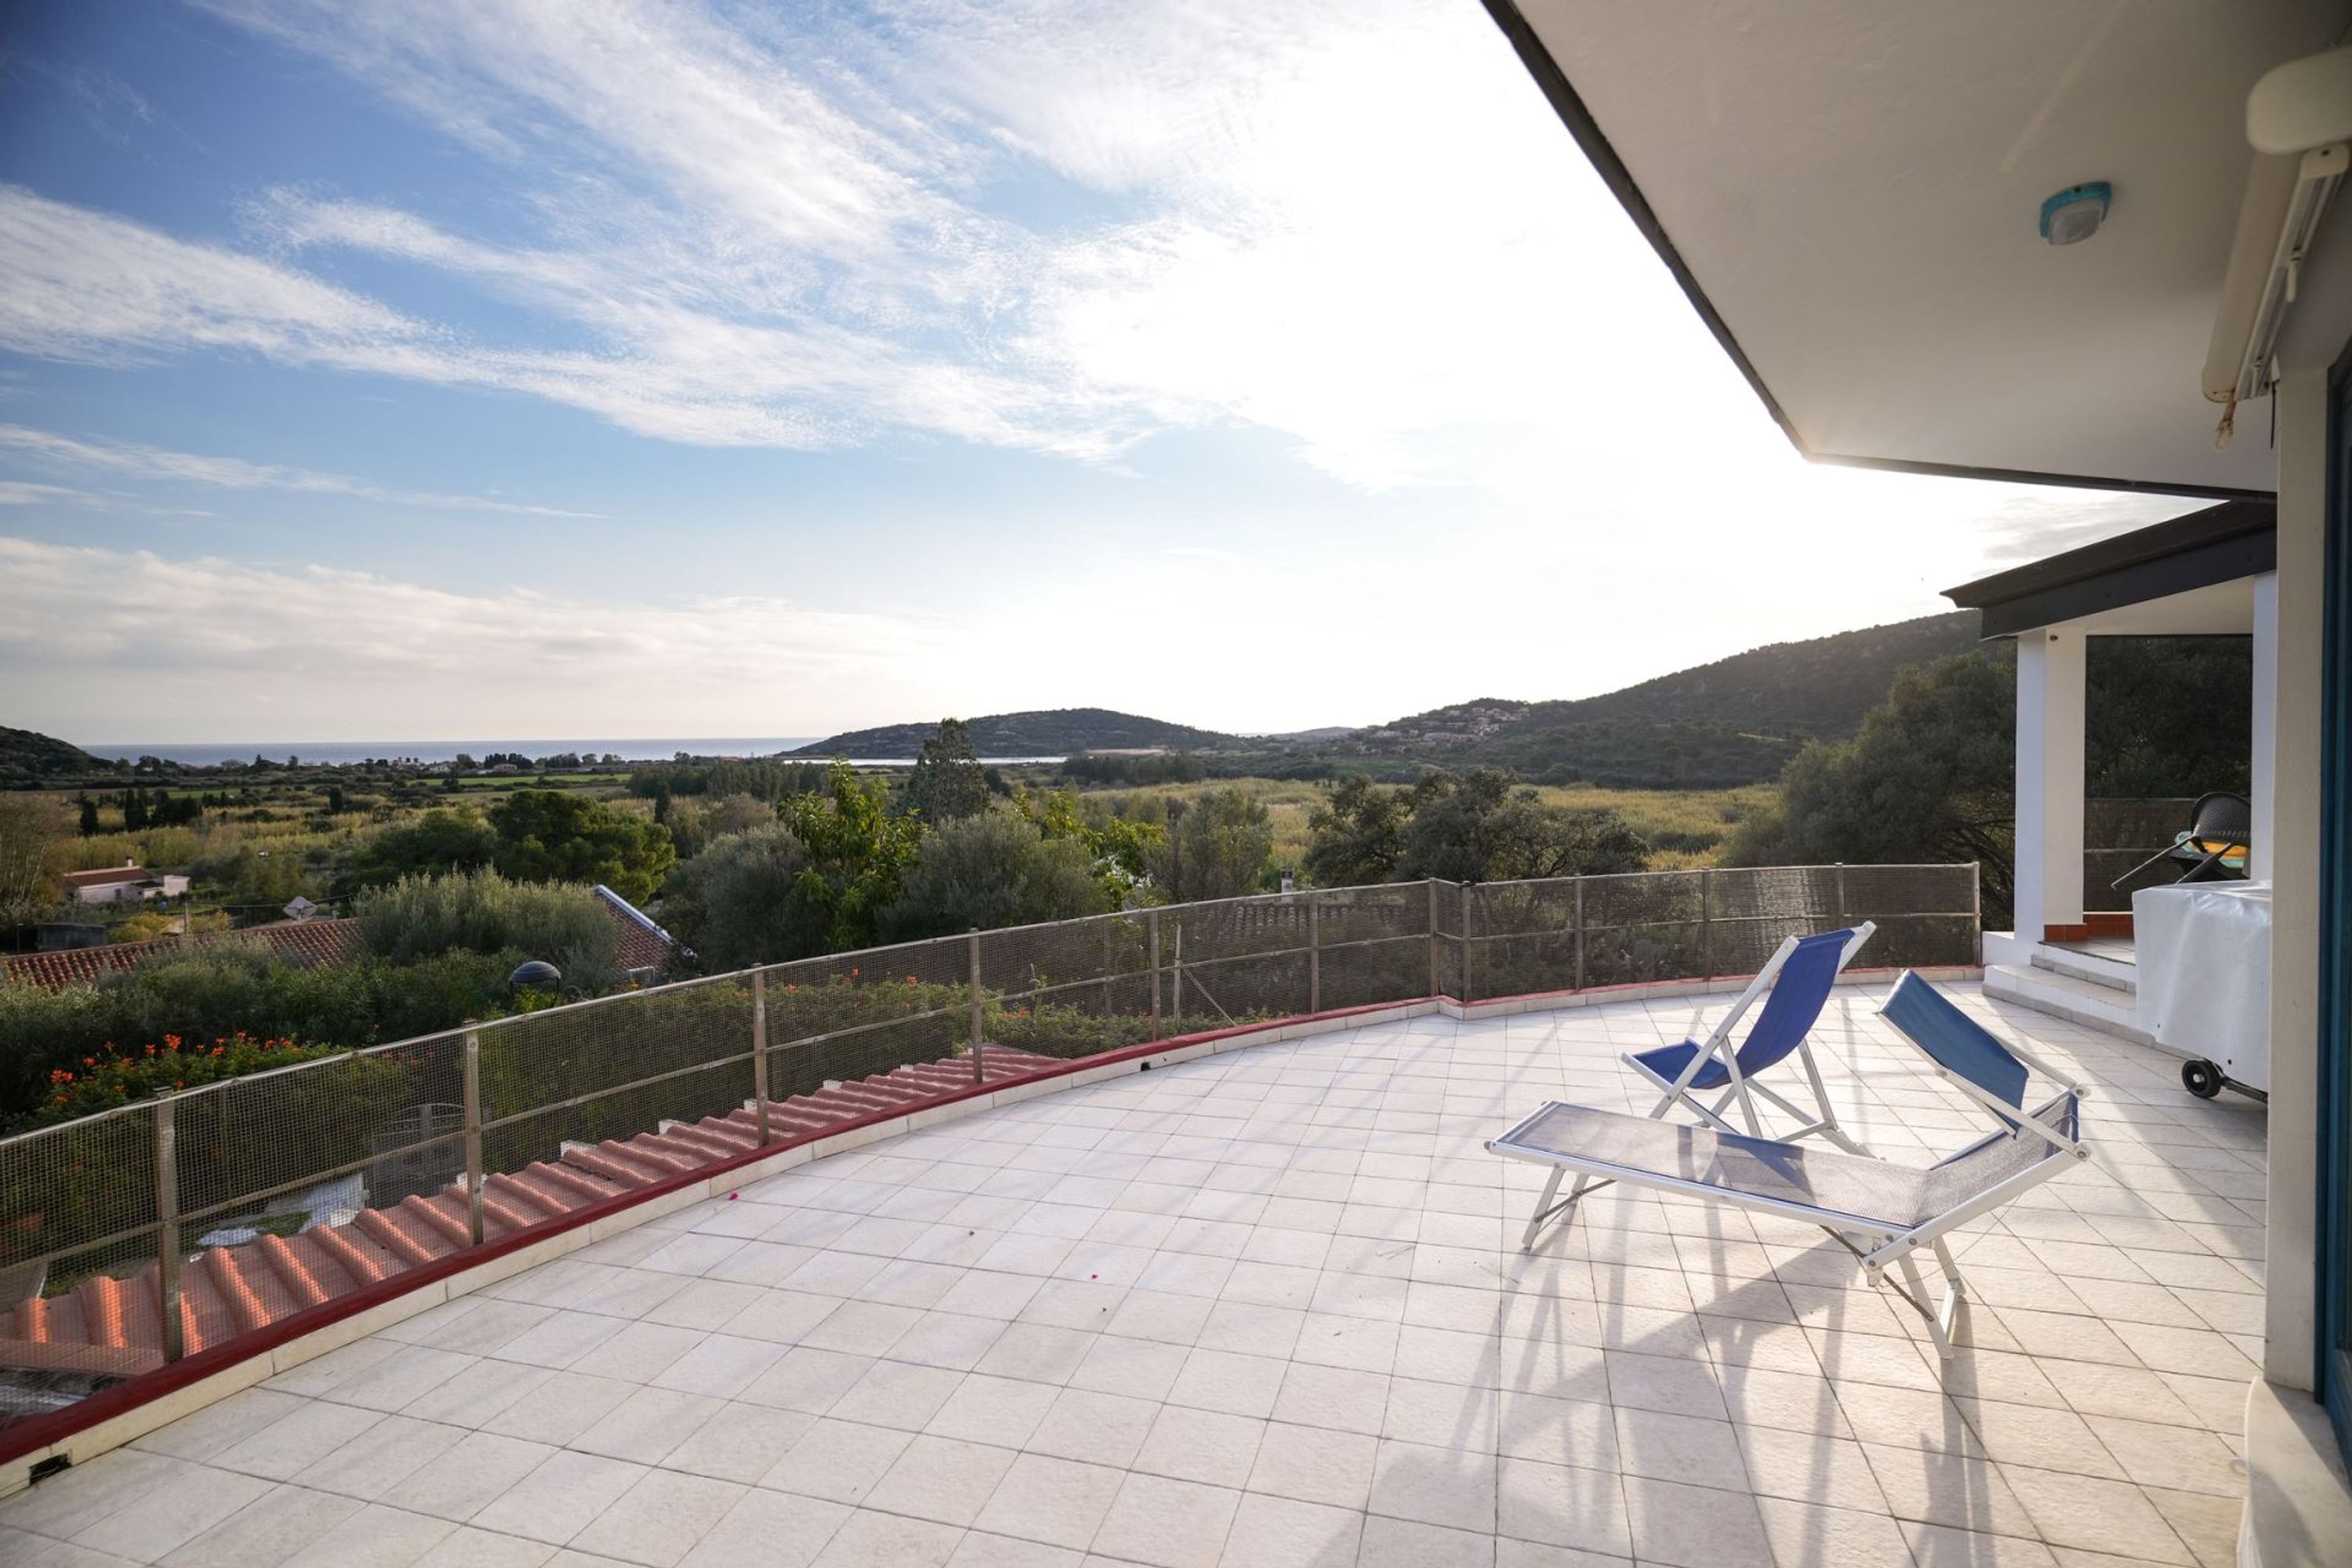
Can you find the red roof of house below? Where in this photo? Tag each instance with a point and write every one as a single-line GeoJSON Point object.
{"type": "Point", "coordinates": [309, 943]}
{"type": "Point", "coordinates": [643, 945]}
{"type": "Point", "coordinates": [108, 875]}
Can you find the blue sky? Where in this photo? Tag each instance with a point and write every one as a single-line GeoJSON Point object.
{"type": "Point", "coordinates": [514, 367]}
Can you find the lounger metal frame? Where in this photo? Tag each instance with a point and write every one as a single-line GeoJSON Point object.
{"type": "Point", "coordinates": [1717, 1044]}
{"type": "Point", "coordinates": [1876, 1244]}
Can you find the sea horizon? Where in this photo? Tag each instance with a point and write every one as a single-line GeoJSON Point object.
{"type": "Point", "coordinates": [641, 749]}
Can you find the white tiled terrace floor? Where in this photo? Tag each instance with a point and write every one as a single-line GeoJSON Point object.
{"type": "Point", "coordinates": [1267, 1308]}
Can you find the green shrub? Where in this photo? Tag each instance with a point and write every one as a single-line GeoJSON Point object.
{"type": "Point", "coordinates": [481, 911]}
{"type": "Point", "coordinates": [993, 869]}
{"type": "Point", "coordinates": [441, 992]}
{"type": "Point", "coordinates": [741, 901]}
{"type": "Point", "coordinates": [1215, 848]}
{"type": "Point", "coordinates": [438, 842]}
{"type": "Point", "coordinates": [228, 987]}
{"type": "Point", "coordinates": [212, 991]}
{"type": "Point", "coordinates": [557, 835]}
{"type": "Point", "coordinates": [1061, 1029]}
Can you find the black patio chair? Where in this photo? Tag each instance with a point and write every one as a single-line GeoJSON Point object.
{"type": "Point", "coordinates": [2220, 824]}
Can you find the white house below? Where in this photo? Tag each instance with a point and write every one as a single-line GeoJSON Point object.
{"type": "Point", "coordinates": [129, 883]}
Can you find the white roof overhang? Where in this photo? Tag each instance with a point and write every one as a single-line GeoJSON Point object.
{"type": "Point", "coordinates": [2189, 576]}
{"type": "Point", "coordinates": [1849, 192]}
{"type": "Point", "coordinates": [2219, 609]}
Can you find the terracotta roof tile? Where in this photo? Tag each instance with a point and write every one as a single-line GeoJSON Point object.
{"type": "Point", "coordinates": [644, 945]}
{"type": "Point", "coordinates": [107, 876]}
{"type": "Point", "coordinates": [311, 943]}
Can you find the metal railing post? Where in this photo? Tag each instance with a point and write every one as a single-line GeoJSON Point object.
{"type": "Point", "coordinates": [1431, 885]}
{"type": "Point", "coordinates": [1314, 950]}
{"type": "Point", "coordinates": [167, 1231]}
{"type": "Point", "coordinates": [979, 1068]}
{"type": "Point", "coordinates": [1579, 933]}
{"type": "Point", "coordinates": [1179, 1008]}
{"type": "Point", "coordinates": [1975, 911]}
{"type": "Point", "coordinates": [760, 1050]}
{"type": "Point", "coordinates": [1467, 992]}
{"type": "Point", "coordinates": [473, 1093]}
{"type": "Point", "coordinates": [1151, 933]}
{"type": "Point", "coordinates": [1706, 923]}
{"type": "Point", "coordinates": [1841, 893]}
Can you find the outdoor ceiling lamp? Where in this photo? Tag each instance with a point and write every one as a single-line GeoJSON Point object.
{"type": "Point", "coordinates": [2076, 213]}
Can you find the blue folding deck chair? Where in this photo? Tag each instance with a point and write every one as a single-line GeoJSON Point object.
{"type": "Point", "coordinates": [1966, 1053]}
{"type": "Point", "coordinates": [1881, 1211]}
{"type": "Point", "coordinates": [1795, 984]}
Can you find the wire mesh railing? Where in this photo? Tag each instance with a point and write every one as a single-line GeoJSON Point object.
{"type": "Point", "coordinates": [181, 1226]}
{"type": "Point", "coordinates": [2118, 836]}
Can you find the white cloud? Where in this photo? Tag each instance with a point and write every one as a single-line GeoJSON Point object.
{"type": "Point", "coordinates": [138, 643]}
{"type": "Point", "coordinates": [51, 448]}
{"type": "Point", "coordinates": [87, 286]}
{"type": "Point", "coordinates": [18, 492]}
{"type": "Point", "coordinates": [1352, 221]}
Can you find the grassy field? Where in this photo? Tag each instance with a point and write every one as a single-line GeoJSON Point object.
{"type": "Point", "coordinates": [1689, 824]}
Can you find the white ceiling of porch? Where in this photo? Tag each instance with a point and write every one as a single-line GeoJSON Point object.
{"type": "Point", "coordinates": [1856, 187]}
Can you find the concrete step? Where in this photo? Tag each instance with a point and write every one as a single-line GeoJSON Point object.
{"type": "Point", "coordinates": [2110, 973]}
{"type": "Point", "coordinates": [2083, 1002]}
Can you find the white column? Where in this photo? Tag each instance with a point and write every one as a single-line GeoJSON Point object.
{"type": "Point", "coordinates": [2050, 680]}
{"type": "Point", "coordinates": [2261, 855]}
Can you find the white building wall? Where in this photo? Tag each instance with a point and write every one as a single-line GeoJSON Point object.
{"type": "Point", "coordinates": [2292, 770]}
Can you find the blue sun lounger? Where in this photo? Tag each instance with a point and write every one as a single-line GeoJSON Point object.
{"type": "Point", "coordinates": [1881, 1211]}
{"type": "Point", "coordinates": [1795, 984]}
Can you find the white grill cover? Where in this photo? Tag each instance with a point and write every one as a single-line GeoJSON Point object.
{"type": "Point", "coordinates": [2202, 953]}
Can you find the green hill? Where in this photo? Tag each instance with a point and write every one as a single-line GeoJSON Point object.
{"type": "Point", "coordinates": [1733, 721]}
{"type": "Point", "coordinates": [27, 754]}
{"type": "Point", "coordinates": [1051, 733]}
{"type": "Point", "coordinates": [1820, 687]}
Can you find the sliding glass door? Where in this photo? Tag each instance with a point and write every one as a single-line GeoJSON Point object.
{"type": "Point", "coordinates": [2334, 1141]}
